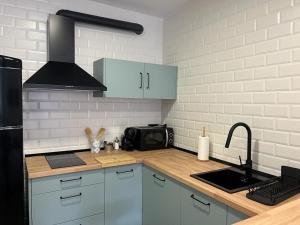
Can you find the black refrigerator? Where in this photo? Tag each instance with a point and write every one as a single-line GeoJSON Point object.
{"type": "Point", "coordinates": [11, 142]}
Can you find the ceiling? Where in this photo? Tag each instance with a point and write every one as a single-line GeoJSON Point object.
{"type": "Point", "coordinates": [160, 8]}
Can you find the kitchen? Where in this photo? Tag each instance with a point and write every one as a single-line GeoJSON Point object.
{"type": "Point", "coordinates": [234, 61]}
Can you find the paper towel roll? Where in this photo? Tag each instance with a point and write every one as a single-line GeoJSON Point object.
{"type": "Point", "coordinates": [203, 148]}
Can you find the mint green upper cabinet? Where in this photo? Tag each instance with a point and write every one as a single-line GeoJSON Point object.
{"type": "Point", "coordinates": [161, 199]}
{"type": "Point", "coordinates": [122, 78]}
{"type": "Point", "coordinates": [123, 195]}
{"type": "Point", "coordinates": [234, 216]}
{"type": "Point", "coordinates": [160, 81]}
{"type": "Point", "coordinates": [199, 209]}
{"type": "Point", "coordinates": [128, 79]}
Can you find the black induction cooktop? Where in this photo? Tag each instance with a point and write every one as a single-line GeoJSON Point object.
{"type": "Point", "coordinates": [64, 160]}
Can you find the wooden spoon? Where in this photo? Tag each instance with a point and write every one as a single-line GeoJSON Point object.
{"type": "Point", "coordinates": [100, 133]}
{"type": "Point", "coordinates": [89, 133]}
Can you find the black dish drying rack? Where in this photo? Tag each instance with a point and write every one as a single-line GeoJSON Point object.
{"type": "Point", "coordinates": [278, 189]}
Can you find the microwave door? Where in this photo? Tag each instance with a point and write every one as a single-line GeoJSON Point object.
{"type": "Point", "coordinates": [153, 140]}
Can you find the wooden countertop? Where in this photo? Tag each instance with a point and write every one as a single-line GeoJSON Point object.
{"type": "Point", "coordinates": [287, 214]}
{"type": "Point", "coordinates": [176, 164]}
{"type": "Point", "coordinates": [37, 166]}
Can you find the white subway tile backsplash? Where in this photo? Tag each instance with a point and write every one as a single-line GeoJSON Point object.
{"type": "Point", "coordinates": [275, 137]}
{"type": "Point", "coordinates": [276, 111]}
{"type": "Point", "coordinates": [259, 83]}
{"type": "Point", "coordinates": [289, 97]}
{"type": "Point", "coordinates": [254, 86]}
{"type": "Point", "coordinates": [278, 85]}
{"type": "Point", "coordinates": [276, 5]}
{"type": "Point", "coordinates": [256, 36]}
{"type": "Point", "coordinates": [290, 13]}
{"type": "Point", "coordinates": [266, 46]}
{"type": "Point", "coordinates": [255, 61]}
{"type": "Point", "coordinates": [244, 51]}
{"type": "Point", "coordinates": [287, 152]}
{"type": "Point", "coordinates": [280, 30]}
{"type": "Point", "coordinates": [55, 120]}
{"type": "Point", "coordinates": [267, 21]}
{"type": "Point", "coordinates": [289, 69]}
{"type": "Point", "coordinates": [289, 42]}
{"type": "Point", "coordinates": [279, 57]}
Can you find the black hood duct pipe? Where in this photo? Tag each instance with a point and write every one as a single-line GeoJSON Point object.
{"type": "Point", "coordinates": [61, 72]}
{"type": "Point", "coordinates": [101, 21]}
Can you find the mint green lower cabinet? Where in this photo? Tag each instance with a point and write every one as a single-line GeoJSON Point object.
{"type": "Point", "coordinates": [123, 195]}
{"type": "Point", "coordinates": [198, 209]}
{"type": "Point", "coordinates": [160, 81]}
{"type": "Point", "coordinates": [161, 199]}
{"type": "Point", "coordinates": [61, 206]}
{"type": "Point", "coordinates": [234, 216]}
{"type": "Point", "coordinates": [91, 220]}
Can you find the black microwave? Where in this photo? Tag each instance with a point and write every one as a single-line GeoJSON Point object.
{"type": "Point", "coordinates": [148, 137]}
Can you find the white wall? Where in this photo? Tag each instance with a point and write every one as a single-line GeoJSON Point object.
{"type": "Point", "coordinates": [55, 120]}
{"type": "Point", "coordinates": [238, 61]}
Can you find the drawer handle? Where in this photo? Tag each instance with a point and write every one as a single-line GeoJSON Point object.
{"type": "Point", "coordinates": [72, 196]}
{"type": "Point", "coordinates": [75, 179]}
{"type": "Point", "coordinates": [156, 177]}
{"type": "Point", "coordinates": [126, 171]}
{"type": "Point", "coordinates": [148, 79]}
{"type": "Point", "coordinates": [141, 79]}
{"type": "Point", "coordinates": [203, 203]}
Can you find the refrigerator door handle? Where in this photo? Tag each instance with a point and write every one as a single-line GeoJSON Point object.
{"type": "Point", "coordinates": [11, 127]}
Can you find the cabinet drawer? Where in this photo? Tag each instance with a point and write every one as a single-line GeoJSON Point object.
{"type": "Point", "coordinates": [91, 220]}
{"type": "Point", "coordinates": [199, 207]}
{"type": "Point", "coordinates": [60, 206]}
{"type": "Point", "coordinates": [66, 181]}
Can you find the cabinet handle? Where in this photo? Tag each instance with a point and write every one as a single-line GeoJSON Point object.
{"type": "Point", "coordinates": [141, 77]}
{"type": "Point", "coordinates": [148, 81]}
{"type": "Point", "coordinates": [156, 177]}
{"type": "Point", "coordinates": [72, 196]}
{"type": "Point", "coordinates": [203, 203]}
{"type": "Point", "coordinates": [63, 181]}
{"type": "Point", "coordinates": [126, 171]}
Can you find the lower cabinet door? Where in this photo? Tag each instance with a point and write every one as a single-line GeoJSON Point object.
{"type": "Point", "coordinates": [61, 206]}
{"type": "Point", "coordinates": [91, 220]}
{"type": "Point", "coordinates": [123, 195]}
{"type": "Point", "coordinates": [234, 216]}
{"type": "Point", "coordinates": [161, 199]}
{"type": "Point", "coordinates": [198, 209]}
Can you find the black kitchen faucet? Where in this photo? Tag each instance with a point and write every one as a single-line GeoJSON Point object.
{"type": "Point", "coordinates": [248, 165]}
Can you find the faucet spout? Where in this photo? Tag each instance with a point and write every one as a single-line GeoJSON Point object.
{"type": "Point", "coordinates": [248, 165]}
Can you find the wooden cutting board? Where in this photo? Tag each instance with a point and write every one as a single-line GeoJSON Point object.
{"type": "Point", "coordinates": [115, 160]}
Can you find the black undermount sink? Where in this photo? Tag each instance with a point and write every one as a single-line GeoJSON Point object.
{"type": "Point", "coordinates": [230, 179]}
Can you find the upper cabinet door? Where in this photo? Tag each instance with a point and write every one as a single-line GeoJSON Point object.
{"type": "Point", "coordinates": [160, 81]}
{"type": "Point", "coordinates": [123, 79]}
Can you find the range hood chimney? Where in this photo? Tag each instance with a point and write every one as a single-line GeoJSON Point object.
{"type": "Point", "coordinates": [61, 72]}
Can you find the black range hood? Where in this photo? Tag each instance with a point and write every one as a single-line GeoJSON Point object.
{"type": "Point", "coordinates": [61, 72]}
